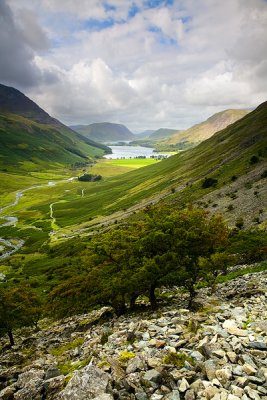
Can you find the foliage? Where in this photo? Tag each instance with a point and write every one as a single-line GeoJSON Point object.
{"type": "Point", "coordinates": [89, 178]}
{"type": "Point", "coordinates": [249, 246]}
{"type": "Point", "coordinates": [131, 260]}
{"type": "Point", "coordinates": [209, 182]}
{"type": "Point", "coordinates": [19, 307]}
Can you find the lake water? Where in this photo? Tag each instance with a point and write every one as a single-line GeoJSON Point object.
{"type": "Point", "coordinates": [119, 152]}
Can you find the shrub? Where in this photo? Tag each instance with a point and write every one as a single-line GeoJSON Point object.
{"type": "Point", "coordinates": [209, 182]}
{"type": "Point", "coordinates": [254, 160]}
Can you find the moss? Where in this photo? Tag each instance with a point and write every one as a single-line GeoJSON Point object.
{"type": "Point", "coordinates": [177, 359]}
{"type": "Point", "coordinates": [125, 356]}
{"type": "Point", "coordinates": [58, 351]}
{"type": "Point", "coordinates": [68, 367]}
{"type": "Point", "coordinates": [103, 363]}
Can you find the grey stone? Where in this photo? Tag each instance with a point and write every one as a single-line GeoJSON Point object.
{"type": "Point", "coordinates": [257, 346]}
{"type": "Point", "coordinates": [184, 385]}
{"type": "Point", "coordinates": [135, 364]}
{"type": "Point", "coordinates": [7, 393]}
{"type": "Point", "coordinates": [88, 383]}
{"type": "Point", "coordinates": [152, 376]}
{"type": "Point", "coordinates": [210, 369]}
{"type": "Point", "coordinates": [52, 372]}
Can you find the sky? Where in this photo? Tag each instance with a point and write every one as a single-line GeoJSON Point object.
{"type": "Point", "coordinates": [147, 64]}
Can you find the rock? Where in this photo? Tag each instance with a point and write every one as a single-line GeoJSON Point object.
{"type": "Point", "coordinates": [135, 364]}
{"type": "Point", "coordinates": [154, 362]}
{"type": "Point", "coordinates": [210, 369]}
{"type": "Point", "coordinates": [190, 395]}
{"type": "Point", "coordinates": [209, 348]}
{"type": "Point", "coordinates": [152, 376]}
{"type": "Point", "coordinates": [174, 395]}
{"type": "Point", "coordinates": [248, 369]}
{"type": "Point", "coordinates": [87, 383]}
{"type": "Point", "coordinates": [231, 355]}
{"type": "Point", "coordinates": [257, 346]}
{"type": "Point", "coordinates": [52, 372]}
{"type": "Point", "coordinates": [233, 330]}
{"type": "Point", "coordinates": [233, 397]}
{"type": "Point", "coordinates": [184, 385]}
{"type": "Point", "coordinates": [7, 393]}
{"type": "Point", "coordinates": [196, 355]}
{"type": "Point", "coordinates": [223, 375]}
{"type": "Point", "coordinates": [253, 394]}
{"type": "Point", "coordinates": [26, 378]}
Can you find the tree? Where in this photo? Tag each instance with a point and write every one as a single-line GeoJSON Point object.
{"type": "Point", "coordinates": [196, 235]}
{"type": "Point", "coordinates": [19, 306]}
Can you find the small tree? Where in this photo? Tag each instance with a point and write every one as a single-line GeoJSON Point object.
{"type": "Point", "coordinates": [19, 307]}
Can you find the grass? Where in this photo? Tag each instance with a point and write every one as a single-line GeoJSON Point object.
{"type": "Point", "coordinates": [249, 270]}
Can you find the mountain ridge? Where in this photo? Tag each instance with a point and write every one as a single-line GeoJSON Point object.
{"type": "Point", "coordinates": [105, 132]}
{"type": "Point", "coordinates": [207, 128]}
{"type": "Point", "coordinates": [28, 133]}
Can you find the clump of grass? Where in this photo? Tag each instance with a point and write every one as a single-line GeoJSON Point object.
{"type": "Point", "coordinates": [249, 270]}
{"type": "Point", "coordinates": [177, 359]}
{"type": "Point", "coordinates": [68, 367]}
{"type": "Point", "coordinates": [125, 356]}
{"type": "Point", "coordinates": [58, 351]}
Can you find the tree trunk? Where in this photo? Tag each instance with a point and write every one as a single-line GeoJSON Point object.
{"type": "Point", "coordinates": [152, 297]}
{"type": "Point", "coordinates": [11, 338]}
{"type": "Point", "coordinates": [192, 294]}
{"type": "Point", "coordinates": [132, 301]}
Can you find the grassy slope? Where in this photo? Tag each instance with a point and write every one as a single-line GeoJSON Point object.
{"type": "Point", "coordinates": [206, 129]}
{"type": "Point", "coordinates": [28, 148]}
{"type": "Point", "coordinates": [226, 153]}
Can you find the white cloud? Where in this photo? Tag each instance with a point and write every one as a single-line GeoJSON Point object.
{"type": "Point", "coordinates": [166, 66]}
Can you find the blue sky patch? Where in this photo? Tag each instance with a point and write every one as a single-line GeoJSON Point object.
{"type": "Point", "coordinates": [157, 3]}
{"type": "Point", "coordinates": [97, 25]}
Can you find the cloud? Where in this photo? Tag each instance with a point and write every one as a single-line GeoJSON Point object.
{"type": "Point", "coordinates": [144, 64]}
{"type": "Point", "coordinates": [19, 40]}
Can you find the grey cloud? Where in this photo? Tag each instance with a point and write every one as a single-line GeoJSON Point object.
{"type": "Point", "coordinates": [18, 42]}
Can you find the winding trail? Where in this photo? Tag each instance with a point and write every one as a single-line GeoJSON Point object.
{"type": "Point", "coordinates": [13, 245]}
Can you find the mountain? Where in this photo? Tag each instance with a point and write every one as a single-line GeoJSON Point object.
{"type": "Point", "coordinates": [28, 135]}
{"type": "Point", "coordinates": [206, 129]}
{"type": "Point", "coordinates": [105, 132]}
{"type": "Point", "coordinates": [233, 156]}
{"type": "Point", "coordinates": [145, 134]}
{"type": "Point", "coordinates": [163, 133]}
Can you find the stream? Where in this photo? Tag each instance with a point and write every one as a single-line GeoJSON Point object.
{"type": "Point", "coordinates": [10, 246]}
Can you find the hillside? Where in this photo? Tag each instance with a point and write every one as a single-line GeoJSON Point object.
{"type": "Point", "coordinates": [105, 132]}
{"type": "Point", "coordinates": [30, 138]}
{"type": "Point", "coordinates": [206, 129]}
{"type": "Point", "coordinates": [225, 155]}
{"type": "Point", "coordinates": [163, 133]}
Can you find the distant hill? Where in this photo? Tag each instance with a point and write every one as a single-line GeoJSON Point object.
{"type": "Point", "coordinates": [29, 135]}
{"type": "Point", "coordinates": [163, 133]}
{"type": "Point", "coordinates": [105, 132]}
{"type": "Point", "coordinates": [144, 135]}
{"type": "Point", "coordinates": [206, 129]}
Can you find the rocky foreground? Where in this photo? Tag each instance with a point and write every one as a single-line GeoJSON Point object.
{"type": "Point", "coordinates": [219, 352]}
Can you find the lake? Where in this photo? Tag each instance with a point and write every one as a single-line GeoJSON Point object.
{"type": "Point", "coordinates": [119, 152]}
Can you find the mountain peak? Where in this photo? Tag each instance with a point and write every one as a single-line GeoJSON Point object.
{"type": "Point", "coordinates": [15, 102]}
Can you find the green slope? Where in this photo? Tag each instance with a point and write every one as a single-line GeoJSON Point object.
{"type": "Point", "coordinates": [225, 154]}
{"type": "Point", "coordinates": [32, 140]}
